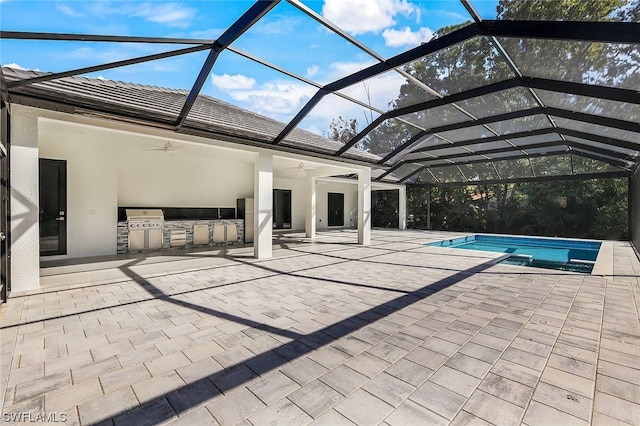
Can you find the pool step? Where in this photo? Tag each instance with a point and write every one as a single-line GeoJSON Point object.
{"type": "Point", "coordinates": [522, 256]}
{"type": "Point", "coordinates": [582, 261]}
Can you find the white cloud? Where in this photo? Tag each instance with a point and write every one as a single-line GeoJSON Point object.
{"type": "Point", "coordinates": [19, 67]}
{"type": "Point", "coordinates": [281, 100]}
{"type": "Point", "coordinates": [228, 82]}
{"type": "Point", "coordinates": [111, 53]}
{"type": "Point", "coordinates": [280, 25]}
{"type": "Point", "coordinates": [328, 73]}
{"type": "Point", "coordinates": [66, 10]}
{"type": "Point", "coordinates": [406, 37]}
{"type": "Point", "coordinates": [211, 33]}
{"type": "Point", "coordinates": [377, 91]}
{"type": "Point", "coordinates": [91, 55]}
{"type": "Point", "coordinates": [312, 70]}
{"type": "Point", "coordinates": [453, 15]}
{"type": "Point", "coordinates": [319, 118]}
{"type": "Point", "coordinates": [172, 14]}
{"type": "Point", "coordinates": [96, 54]}
{"type": "Point", "coordinates": [338, 70]}
{"type": "Point", "coordinates": [276, 99]}
{"type": "Point", "coordinates": [366, 16]}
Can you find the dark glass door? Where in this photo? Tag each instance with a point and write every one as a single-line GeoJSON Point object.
{"type": "Point", "coordinates": [53, 207]}
{"type": "Point", "coordinates": [336, 209]}
{"type": "Point", "coordinates": [281, 209]}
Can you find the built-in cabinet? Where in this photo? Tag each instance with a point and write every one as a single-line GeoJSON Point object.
{"type": "Point", "coordinates": [244, 208]}
{"type": "Point", "coordinates": [189, 233]}
{"type": "Point", "coordinates": [225, 233]}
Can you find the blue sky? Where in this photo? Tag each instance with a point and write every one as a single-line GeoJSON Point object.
{"type": "Point", "coordinates": [285, 37]}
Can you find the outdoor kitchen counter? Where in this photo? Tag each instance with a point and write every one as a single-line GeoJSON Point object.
{"type": "Point", "coordinates": [187, 226]}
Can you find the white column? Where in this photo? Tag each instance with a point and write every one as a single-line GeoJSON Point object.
{"type": "Point", "coordinates": [263, 206]}
{"type": "Point", "coordinates": [310, 220]}
{"type": "Point", "coordinates": [402, 207]}
{"type": "Point", "coordinates": [25, 201]}
{"type": "Point", "coordinates": [364, 207]}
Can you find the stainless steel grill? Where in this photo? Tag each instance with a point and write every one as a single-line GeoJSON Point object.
{"type": "Point", "coordinates": [145, 228]}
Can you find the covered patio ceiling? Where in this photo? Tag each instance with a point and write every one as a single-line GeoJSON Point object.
{"type": "Point", "coordinates": [484, 101]}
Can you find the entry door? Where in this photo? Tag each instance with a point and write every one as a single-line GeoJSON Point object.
{"type": "Point", "coordinates": [281, 209]}
{"type": "Point", "coordinates": [53, 207]}
{"type": "Point", "coordinates": [336, 209]}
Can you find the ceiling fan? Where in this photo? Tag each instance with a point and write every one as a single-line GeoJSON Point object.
{"type": "Point", "coordinates": [293, 171]}
{"type": "Point", "coordinates": [168, 148]}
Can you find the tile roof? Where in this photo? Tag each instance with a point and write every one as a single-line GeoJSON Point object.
{"type": "Point", "coordinates": [164, 105]}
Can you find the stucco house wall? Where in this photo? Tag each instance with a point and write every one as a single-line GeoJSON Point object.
{"type": "Point", "coordinates": [299, 194]}
{"type": "Point", "coordinates": [106, 169]}
{"type": "Point", "coordinates": [350, 191]}
{"type": "Point", "coordinates": [187, 178]}
{"type": "Point", "coordinates": [114, 164]}
{"type": "Point", "coordinates": [92, 188]}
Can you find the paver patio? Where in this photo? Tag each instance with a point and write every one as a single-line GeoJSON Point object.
{"type": "Point", "coordinates": [325, 332]}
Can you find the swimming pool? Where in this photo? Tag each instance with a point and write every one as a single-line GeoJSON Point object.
{"type": "Point", "coordinates": [550, 253]}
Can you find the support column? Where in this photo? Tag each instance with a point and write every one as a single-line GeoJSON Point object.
{"type": "Point", "coordinates": [364, 207]}
{"type": "Point", "coordinates": [25, 201]}
{"type": "Point", "coordinates": [429, 208]}
{"type": "Point", "coordinates": [402, 207]}
{"type": "Point", "coordinates": [310, 221]}
{"type": "Point", "coordinates": [5, 205]}
{"type": "Point", "coordinates": [263, 206]}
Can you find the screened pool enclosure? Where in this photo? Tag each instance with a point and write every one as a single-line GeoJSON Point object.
{"type": "Point", "coordinates": [524, 91]}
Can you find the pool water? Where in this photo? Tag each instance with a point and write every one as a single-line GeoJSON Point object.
{"type": "Point", "coordinates": [550, 253]}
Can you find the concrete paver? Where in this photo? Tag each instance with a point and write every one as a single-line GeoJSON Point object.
{"type": "Point", "coordinates": [325, 332]}
{"type": "Point", "coordinates": [362, 408]}
{"type": "Point", "coordinates": [316, 398]}
{"type": "Point", "coordinates": [493, 409]}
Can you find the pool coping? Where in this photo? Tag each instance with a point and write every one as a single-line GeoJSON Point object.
{"type": "Point", "coordinates": [604, 261]}
{"type": "Point", "coordinates": [602, 266]}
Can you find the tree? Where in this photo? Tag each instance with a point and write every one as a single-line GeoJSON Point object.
{"type": "Point", "coordinates": [384, 208]}
{"type": "Point", "coordinates": [571, 208]}
{"type": "Point", "coordinates": [342, 130]}
{"type": "Point", "coordinates": [560, 10]}
{"type": "Point", "coordinates": [560, 208]}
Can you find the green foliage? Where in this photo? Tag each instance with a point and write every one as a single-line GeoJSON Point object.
{"type": "Point", "coordinates": [577, 208]}
{"type": "Point", "coordinates": [594, 208]}
{"type": "Point", "coordinates": [453, 209]}
{"type": "Point", "coordinates": [388, 136]}
{"type": "Point", "coordinates": [559, 10]}
{"type": "Point", "coordinates": [342, 130]}
{"type": "Point", "coordinates": [590, 208]}
{"type": "Point", "coordinates": [384, 207]}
